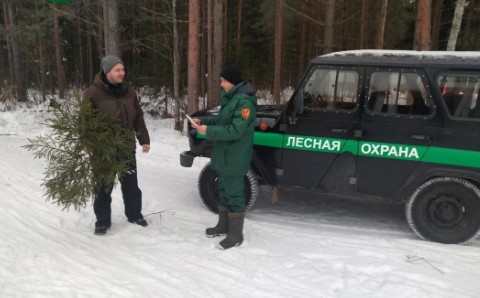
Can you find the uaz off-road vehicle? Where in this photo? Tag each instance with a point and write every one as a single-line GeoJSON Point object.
{"type": "Point", "coordinates": [395, 125]}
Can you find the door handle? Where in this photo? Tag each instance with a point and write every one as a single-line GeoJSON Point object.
{"type": "Point", "coordinates": [339, 130]}
{"type": "Point", "coordinates": [421, 137]}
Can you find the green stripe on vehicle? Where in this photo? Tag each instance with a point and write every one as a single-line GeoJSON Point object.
{"type": "Point", "coordinates": [437, 155]}
{"type": "Point", "coordinates": [455, 157]}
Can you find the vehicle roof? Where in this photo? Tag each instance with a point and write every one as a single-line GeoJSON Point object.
{"type": "Point", "coordinates": [402, 57]}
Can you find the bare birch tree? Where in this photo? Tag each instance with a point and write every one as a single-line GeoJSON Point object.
{"type": "Point", "coordinates": [193, 54]}
{"type": "Point", "coordinates": [456, 24]}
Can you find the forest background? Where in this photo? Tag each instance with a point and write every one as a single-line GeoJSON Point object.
{"type": "Point", "coordinates": [51, 49]}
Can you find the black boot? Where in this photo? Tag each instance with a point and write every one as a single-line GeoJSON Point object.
{"type": "Point", "coordinates": [139, 221]}
{"type": "Point", "coordinates": [221, 229]}
{"type": "Point", "coordinates": [101, 229]}
{"type": "Point", "coordinates": [235, 231]}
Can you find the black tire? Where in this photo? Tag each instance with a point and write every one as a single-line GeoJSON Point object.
{"type": "Point", "coordinates": [208, 188]}
{"type": "Point", "coordinates": [445, 210]}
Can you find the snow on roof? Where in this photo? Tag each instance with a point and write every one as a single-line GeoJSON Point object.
{"type": "Point", "coordinates": [406, 53]}
{"type": "Point", "coordinates": [402, 57]}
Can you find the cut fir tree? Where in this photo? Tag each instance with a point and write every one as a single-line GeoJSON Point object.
{"type": "Point", "coordinates": [85, 150]}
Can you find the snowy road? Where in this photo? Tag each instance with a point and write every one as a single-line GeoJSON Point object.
{"type": "Point", "coordinates": [305, 247]}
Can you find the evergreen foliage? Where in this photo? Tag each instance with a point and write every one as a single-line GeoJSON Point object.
{"type": "Point", "coordinates": [72, 175]}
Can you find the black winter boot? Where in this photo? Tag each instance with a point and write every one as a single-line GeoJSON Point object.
{"type": "Point", "coordinates": [221, 229]}
{"type": "Point", "coordinates": [235, 231]}
{"type": "Point", "coordinates": [101, 229]}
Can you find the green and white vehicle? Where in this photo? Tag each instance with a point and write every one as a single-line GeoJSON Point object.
{"type": "Point", "coordinates": [394, 125]}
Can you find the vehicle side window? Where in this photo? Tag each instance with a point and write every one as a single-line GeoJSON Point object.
{"type": "Point", "coordinates": [331, 89]}
{"type": "Point", "coordinates": [460, 93]}
{"type": "Point", "coordinates": [398, 93]}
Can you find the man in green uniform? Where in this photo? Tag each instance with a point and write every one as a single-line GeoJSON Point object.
{"type": "Point", "coordinates": [232, 134]}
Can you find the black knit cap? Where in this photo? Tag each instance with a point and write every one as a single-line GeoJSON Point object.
{"type": "Point", "coordinates": [232, 74]}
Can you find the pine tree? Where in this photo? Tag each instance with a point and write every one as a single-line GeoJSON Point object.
{"type": "Point", "coordinates": [85, 150]}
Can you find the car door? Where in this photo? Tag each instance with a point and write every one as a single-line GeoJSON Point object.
{"type": "Point", "coordinates": [318, 149]}
{"type": "Point", "coordinates": [399, 123]}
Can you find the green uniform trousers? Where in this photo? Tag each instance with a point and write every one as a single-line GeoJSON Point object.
{"type": "Point", "coordinates": [232, 194]}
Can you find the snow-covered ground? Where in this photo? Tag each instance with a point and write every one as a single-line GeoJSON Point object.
{"type": "Point", "coordinates": [304, 247]}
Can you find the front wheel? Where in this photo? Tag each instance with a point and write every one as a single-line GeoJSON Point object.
{"type": "Point", "coordinates": [445, 210]}
{"type": "Point", "coordinates": [208, 188]}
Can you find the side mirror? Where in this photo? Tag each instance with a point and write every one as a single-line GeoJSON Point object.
{"type": "Point", "coordinates": [297, 107]}
{"type": "Point", "coordinates": [299, 102]}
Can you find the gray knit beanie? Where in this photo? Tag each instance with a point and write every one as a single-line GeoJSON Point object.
{"type": "Point", "coordinates": [109, 61]}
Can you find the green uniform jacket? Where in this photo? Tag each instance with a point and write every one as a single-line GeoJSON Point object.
{"type": "Point", "coordinates": [124, 104]}
{"type": "Point", "coordinates": [232, 131]}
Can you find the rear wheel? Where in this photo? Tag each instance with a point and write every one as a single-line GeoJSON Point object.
{"type": "Point", "coordinates": [208, 188]}
{"type": "Point", "coordinates": [446, 210]}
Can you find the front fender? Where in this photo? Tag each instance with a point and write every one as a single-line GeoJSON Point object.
{"type": "Point", "coordinates": [413, 182]}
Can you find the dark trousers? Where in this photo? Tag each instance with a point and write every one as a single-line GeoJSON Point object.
{"type": "Point", "coordinates": [232, 193]}
{"type": "Point", "coordinates": [132, 199]}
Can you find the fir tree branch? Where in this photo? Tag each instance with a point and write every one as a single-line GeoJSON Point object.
{"type": "Point", "coordinates": [73, 177]}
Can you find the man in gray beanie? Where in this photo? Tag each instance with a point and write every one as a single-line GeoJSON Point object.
{"type": "Point", "coordinates": [109, 61]}
{"type": "Point", "coordinates": [110, 94]}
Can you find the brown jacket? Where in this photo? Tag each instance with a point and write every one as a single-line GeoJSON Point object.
{"type": "Point", "coordinates": [120, 100]}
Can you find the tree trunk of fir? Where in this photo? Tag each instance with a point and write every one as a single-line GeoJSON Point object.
{"type": "Point", "coordinates": [239, 27]}
{"type": "Point", "coordinates": [89, 47]}
{"type": "Point", "coordinates": [176, 69]}
{"type": "Point", "coordinates": [193, 54]}
{"type": "Point", "coordinates": [17, 66]}
{"type": "Point", "coordinates": [58, 55]}
{"type": "Point", "coordinates": [342, 32]}
{"type": "Point", "coordinates": [382, 18]}
{"type": "Point", "coordinates": [41, 58]}
{"type": "Point", "coordinates": [329, 27]}
{"type": "Point", "coordinates": [472, 8]}
{"type": "Point", "coordinates": [224, 21]}
{"type": "Point", "coordinates": [100, 28]}
{"type": "Point", "coordinates": [303, 33]}
{"type": "Point", "coordinates": [456, 24]}
{"type": "Point", "coordinates": [278, 51]}
{"type": "Point", "coordinates": [209, 53]}
{"type": "Point", "coordinates": [423, 25]}
{"type": "Point", "coordinates": [364, 26]}
{"type": "Point", "coordinates": [217, 50]}
{"type": "Point", "coordinates": [79, 59]}
{"type": "Point", "coordinates": [111, 24]}
{"type": "Point", "coordinates": [436, 24]}
{"type": "Point", "coordinates": [8, 38]}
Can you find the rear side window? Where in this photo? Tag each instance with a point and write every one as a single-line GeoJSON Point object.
{"type": "Point", "coordinates": [331, 89]}
{"type": "Point", "coordinates": [460, 93]}
{"type": "Point", "coordinates": [398, 93]}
